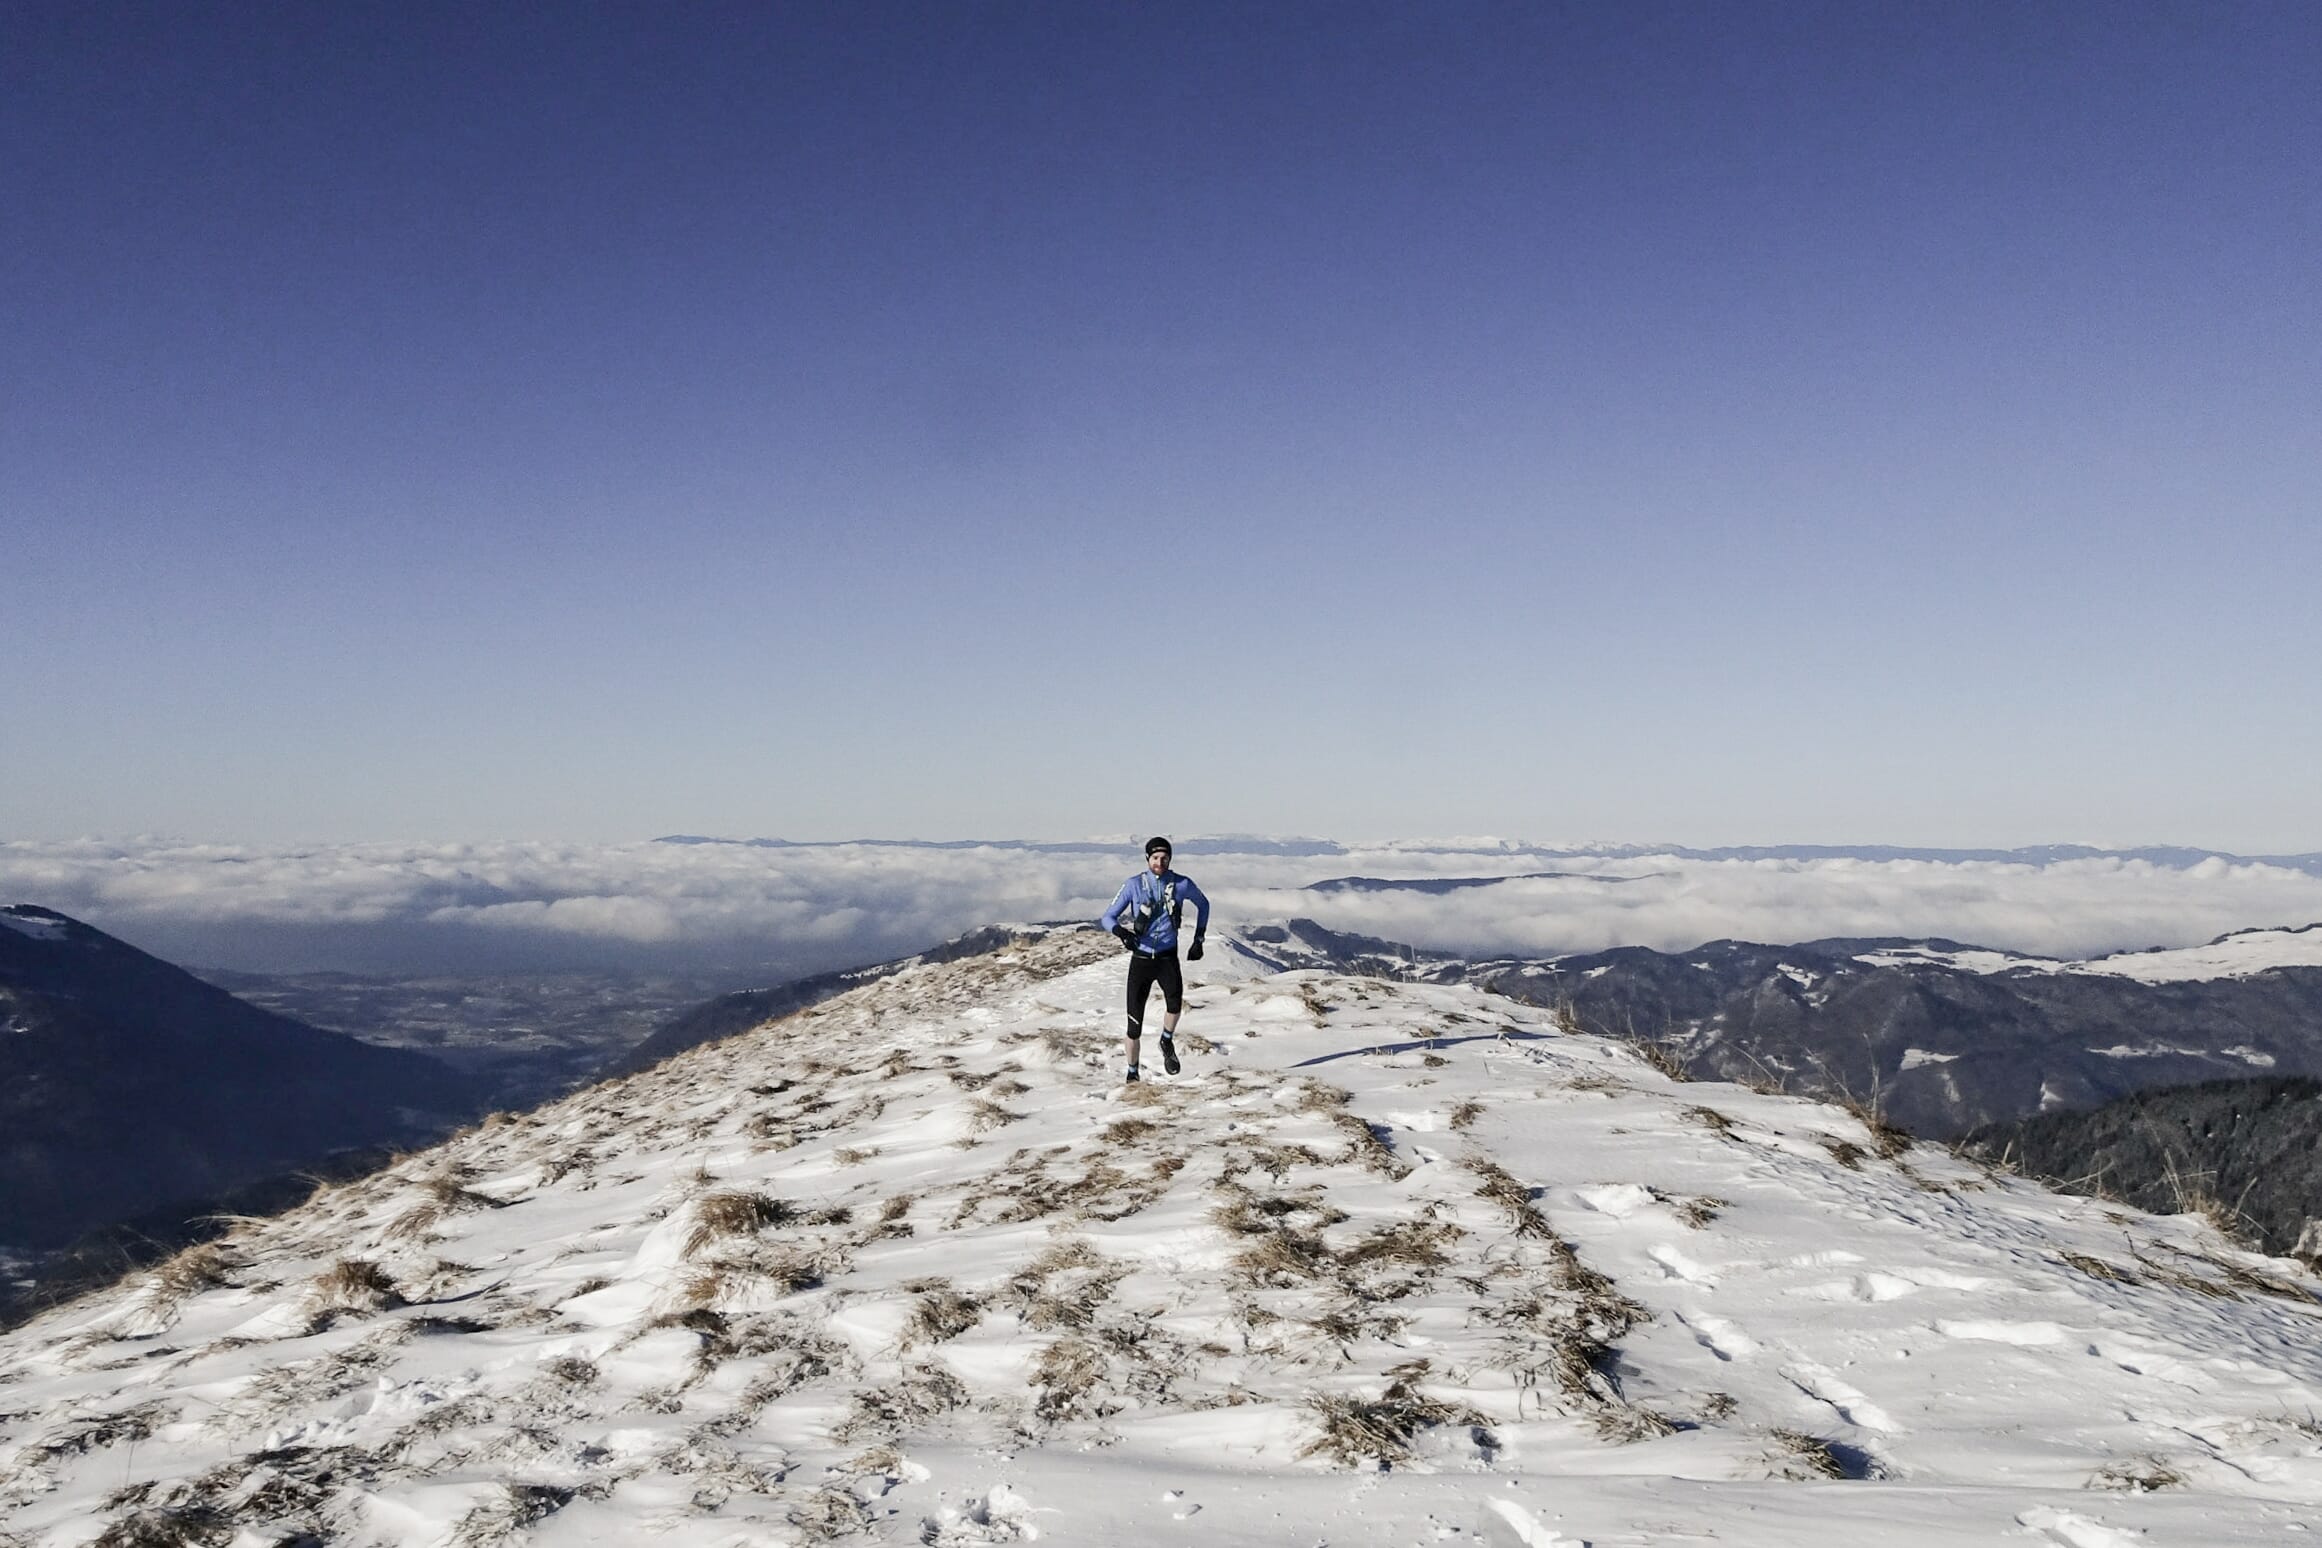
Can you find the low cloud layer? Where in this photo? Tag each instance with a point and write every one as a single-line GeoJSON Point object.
{"type": "Point", "coordinates": [768, 911]}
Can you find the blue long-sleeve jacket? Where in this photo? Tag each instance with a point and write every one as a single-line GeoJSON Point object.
{"type": "Point", "coordinates": [1145, 889]}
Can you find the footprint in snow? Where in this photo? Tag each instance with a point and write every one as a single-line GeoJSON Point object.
{"type": "Point", "coordinates": [2025, 1335]}
{"type": "Point", "coordinates": [2069, 1529]}
{"type": "Point", "coordinates": [1720, 1337]}
{"type": "Point", "coordinates": [1619, 1200]}
{"type": "Point", "coordinates": [1679, 1266]}
{"type": "Point", "coordinates": [1001, 1516]}
{"type": "Point", "coordinates": [1844, 1400]}
{"type": "Point", "coordinates": [1862, 1287]}
{"type": "Point", "coordinates": [1509, 1525]}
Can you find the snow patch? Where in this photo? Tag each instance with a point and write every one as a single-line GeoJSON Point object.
{"type": "Point", "coordinates": [38, 928]}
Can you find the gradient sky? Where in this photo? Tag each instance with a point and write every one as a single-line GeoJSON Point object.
{"type": "Point", "coordinates": [1734, 423]}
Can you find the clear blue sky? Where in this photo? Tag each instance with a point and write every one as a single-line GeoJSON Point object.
{"type": "Point", "coordinates": [1720, 423]}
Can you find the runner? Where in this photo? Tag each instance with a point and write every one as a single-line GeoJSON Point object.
{"type": "Point", "coordinates": [1145, 917]}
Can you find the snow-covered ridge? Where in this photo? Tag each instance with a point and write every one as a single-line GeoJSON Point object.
{"type": "Point", "coordinates": [2238, 955]}
{"type": "Point", "coordinates": [914, 1266]}
{"type": "Point", "coordinates": [38, 923]}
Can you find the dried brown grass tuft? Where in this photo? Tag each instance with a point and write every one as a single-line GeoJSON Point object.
{"type": "Point", "coordinates": [721, 1215]}
{"type": "Point", "coordinates": [1066, 1373]}
{"type": "Point", "coordinates": [1064, 1286]}
{"type": "Point", "coordinates": [875, 1462]}
{"type": "Point", "coordinates": [1316, 1097]}
{"type": "Point", "coordinates": [919, 1394]}
{"type": "Point", "coordinates": [1464, 1115]}
{"type": "Point", "coordinates": [2242, 1278]}
{"type": "Point", "coordinates": [572, 1371]}
{"type": "Point", "coordinates": [1378, 1431]}
{"type": "Point", "coordinates": [1283, 1259]}
{"type": "Point", "coordinates": [197, 1268]}
{"type": "Point", "coordinates": [2179, 1279]}
{"type": "Point", "coordinates": [2097, 1268]}
{"type": "Point", "coordinates": [1276, 1161]}
{"type": "Point", "coordinates": [826, 1515]}
{"type": "Point", "coordinates": [1888, 1139]}
{"type": "Point", "coordinates": [1244, 1213]}
{"type": "Point", "coordinates": [578, 1159]}
{"type": "Point", "coordinates": [1624, 1424]}
{"type": "Point", "coordinates": [1660, 1055]}
{"type": "Point", "coordinates": [1418, 1244]}
{"type": "Point", "coordinates": [1502, 1189]}
{"type": "Point", "coordinates": [1127, 1131]}
{"type": "Point", "coordinates": [2138, 1475]}
{"type": "Point", "coordinates": [1366, 1146]}
{"type": "Point", "coordinates": [941, 1315]}
{"type": "Point", "coordinates": [2190, 1194]}
{"type": "Point", "coordinates": [1354, 1319]}
{"type": "Point", "coordinates": [1071, 1252]}
{"type": "Point", "coordinates": [1803, 1455]}
{"type": "Point", "coordinates": [186, 1526]}
{"type": "Point", "coordinates": [356, 1284]}
{"type": "Point", "coordinates": [1711, 1119]}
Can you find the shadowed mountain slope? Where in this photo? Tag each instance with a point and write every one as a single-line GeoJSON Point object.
{"type": "Point", "coordinates": [2249, 1150]}
{"type": "Point", "coordinates": [126, 1083]}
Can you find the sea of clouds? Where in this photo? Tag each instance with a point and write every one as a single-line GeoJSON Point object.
{"type": "Point", "coordinates": [767, 910]}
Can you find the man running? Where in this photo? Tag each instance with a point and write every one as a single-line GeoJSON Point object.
{"type": "Point", "coordinates": [1145, 917]}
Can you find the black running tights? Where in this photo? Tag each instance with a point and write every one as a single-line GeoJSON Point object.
{"type": "Point", "coordinates": [1146, 971]}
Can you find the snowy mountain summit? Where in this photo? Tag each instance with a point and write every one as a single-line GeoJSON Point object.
{"type": "Point", "coordinates": [1389, 1263]}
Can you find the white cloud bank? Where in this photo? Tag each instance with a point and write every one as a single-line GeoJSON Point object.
{"type": "Point", "coordinates": [800, 908]}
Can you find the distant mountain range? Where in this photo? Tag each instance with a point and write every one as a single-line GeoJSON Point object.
{"type": "Point", "coordinates": [1436, 886]}
{"type": "Point", "coordinates": [1941, 1038]}
{"type": "Point", "coordinates": [2170, 856]}
{"type": "Point", "coordinates": [127, 1084]}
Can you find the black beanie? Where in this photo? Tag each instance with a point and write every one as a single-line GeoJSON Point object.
{"type": "Point", "coordinates": [1160, 843]}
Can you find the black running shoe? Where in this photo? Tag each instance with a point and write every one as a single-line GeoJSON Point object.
{"type": "Point", "coordinates": [1169, 1054]}
{"type": "Point", "coordinates": [1132, 1072]}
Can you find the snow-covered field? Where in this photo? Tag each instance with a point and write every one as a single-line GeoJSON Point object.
{"type": "Point", "coordinates": [1387, 1264]}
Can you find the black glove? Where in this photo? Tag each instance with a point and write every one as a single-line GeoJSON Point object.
{"type": "Point", "coordinates": [1194, 955]}
{"type": "Point", "coordinates": [1127, 935]}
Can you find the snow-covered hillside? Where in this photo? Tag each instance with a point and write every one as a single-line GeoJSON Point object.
{"type": "Point", "coordinates": [915, 1265]}
{"type": "Point", "coordinates": [2237, 955]}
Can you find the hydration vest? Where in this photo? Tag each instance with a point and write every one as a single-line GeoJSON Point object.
{"type": "Point", "coordinates": [1149, 908]}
